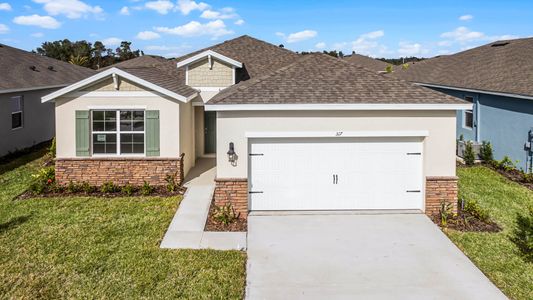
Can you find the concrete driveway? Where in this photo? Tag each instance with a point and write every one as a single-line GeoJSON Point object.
{"type": "Point", "coordinates": [358, 256]}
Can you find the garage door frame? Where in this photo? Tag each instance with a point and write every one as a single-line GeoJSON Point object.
{"type": "Point", "coordinates": [422, 134]}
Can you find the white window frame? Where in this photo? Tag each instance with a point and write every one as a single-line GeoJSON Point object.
{"type": "Point", "coordinates": [470, 111]}
{"type": "Point", "coordinates": [21, 112]}
{"type": "Point", "coordinates": [117, 132]}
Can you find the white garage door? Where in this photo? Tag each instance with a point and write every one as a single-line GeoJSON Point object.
{"type": "Point", "coordinates": [335, 173]}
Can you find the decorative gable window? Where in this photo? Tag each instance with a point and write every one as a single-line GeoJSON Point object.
{"type": "Point", "coordinates": [468, 117]}
{"type": "Point", "coordinates": [17, 112]}
{"type": "Point", "coordinates": [118, 132]}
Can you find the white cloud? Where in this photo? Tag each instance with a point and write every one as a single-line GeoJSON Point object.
{"type": "Point", "coordinates": [112, 41]}
{"type": "Point", "coordinates": [72, 9]}
{"type": "Point", "coordinates": [225, 13]}
{"type": "Point", "coordinates": [5, 6]}
{"type": "Point", "coordinates": [36, 20]}
{"type": "Point", "coordinates": [463, 34]}
{"type": "Point", "coordinates": [125, 11]}
{"type": "Point", "coordinates": [320, 46]}
{"type": "Point", "coordinates": [161, 6]}
{"type": "Point", "coordinates": [466, 17]}
{"type": "Point", "coordinates": [411, 49]}
{"type": "Point", "coordinates": [3, 29]}
{"type": "Point", "coordinates": [443, 52]}
{"type": "Point", "coordinates": [148, 35]}
{"type": "Point", "coordinates": [168, 51]}
{"type": "Point", "coordinates": [186, 6]}
{"type": "Point", "coordinates": [445, 43]}
{"type": "Point", "coordinates": [214, 29]}
{"type": "Point", "coordinates": [37, 34]}
{"type": "Point", "coordinates": [297, 36]}
{"type": "Point", "coordinates": [239, 22]}
{"type": "Point", "coordinates": [368, 44]}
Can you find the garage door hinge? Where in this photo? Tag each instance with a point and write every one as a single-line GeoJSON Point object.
{"type": "Point", "coordinates": [414, 153]}
{"type": "Point", "coordinates": [256, 154]}
{"type": "Point", "coordinates": [255, 192]}
{"type": "Point", "coordinates": [413, 191]}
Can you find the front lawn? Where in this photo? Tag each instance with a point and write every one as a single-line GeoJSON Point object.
{"type": "Point", "coordinates": [494, 253]}
{"type": "Point", "coordinates": [82, 247]}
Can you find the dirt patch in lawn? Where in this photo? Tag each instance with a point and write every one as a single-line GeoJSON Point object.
{"type": "Point", "coordinates": [464, 221]}
{"type": "Point", "coordinates": [213, 224]}
{"type": "Point", "coordinates": [513, 175]}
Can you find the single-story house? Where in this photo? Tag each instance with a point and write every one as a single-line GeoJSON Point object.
{"type": "Point", "coordinates": [370, 63]}
{"type": "Point", "coordinates": [26, 77]}
{"type": "Point", "coordinates": [289, 131]}
{"type": "Point", "coordinates": [497, 79]}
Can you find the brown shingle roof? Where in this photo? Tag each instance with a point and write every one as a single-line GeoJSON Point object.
{"type": "Point", "coordinates": [507, 68]}
{"type": "Point", "coordinates": [366, 62]}
{"type": "Point", "coordinates": [319, 78]}
{"type": "Point", "coordinates": [17, 75]}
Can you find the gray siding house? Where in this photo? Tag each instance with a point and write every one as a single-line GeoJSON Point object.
{"type": "Point", "coordinates": [498, 79]}
{"type": "Point", "coordinates": [25, 78]}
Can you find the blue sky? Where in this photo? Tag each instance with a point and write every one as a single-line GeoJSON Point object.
{"type": "Point", "coordinates": [175, 27]}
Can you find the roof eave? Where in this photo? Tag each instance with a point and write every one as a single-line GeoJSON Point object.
{"type": "Point", "coordinates": [475, 90]}
{"type": "Point", "coordinates": [344, 106]}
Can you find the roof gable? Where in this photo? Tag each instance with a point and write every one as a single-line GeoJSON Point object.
{"type": "Point", "coordinates": [209, 54]}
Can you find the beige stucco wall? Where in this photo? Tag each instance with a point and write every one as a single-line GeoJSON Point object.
{"type": "Point", "coordinates": [199, 130]}
{"type": "Point", "coordinates": [200, 75]}
{"type": "Point", "coordinates": [108, 85]}
{"type": "Point", "coordinates": [439, 146]}
{"type": "Point", "coordinates": [187, 135]}
{"type": "Point", "coordinates": [169, 115]}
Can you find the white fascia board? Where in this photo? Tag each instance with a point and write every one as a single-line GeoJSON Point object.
{"type": "Point", "coordinates": [7, 91]}
{"type": "Point", "coordinates": [310, 134]}
{"type": "Point", "coordinates": [474, 90]}
{"type": "Point", "coordinates": [110, 72]}
{"type": "Point", "coordinates": [207, 53]}
{"type": "Point", "coordinates": [251, 107]}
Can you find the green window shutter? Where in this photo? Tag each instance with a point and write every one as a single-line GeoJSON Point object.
{"type": "Point", "coordinates": [152, 133]}
{"type": "Point", "coordinates": [82, 133]}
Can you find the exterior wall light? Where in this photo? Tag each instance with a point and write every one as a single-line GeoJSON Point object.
{"type": "Point", "coordinates": [232, 156]}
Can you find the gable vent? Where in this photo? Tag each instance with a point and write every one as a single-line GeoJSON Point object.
{"type": "Point", "coordinates": [499, 44]}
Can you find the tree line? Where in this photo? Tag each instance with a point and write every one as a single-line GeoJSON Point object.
{"type": "Point", "coordinates": [87, 54]}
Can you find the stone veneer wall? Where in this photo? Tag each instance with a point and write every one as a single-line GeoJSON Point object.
{"type": "Point", "coordinates": [234, 191]}
{"type": "Point", "coordinates": [438, 189]}
{"type": "Point", "coordinates": [120, 171]}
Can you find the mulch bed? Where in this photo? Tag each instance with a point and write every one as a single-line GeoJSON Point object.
{"type": "Point", "coordinates": [213, 225]}
{"type": "Point", "coordinates": [159, 191]}
{"type": "Point", "coordinates": [513, 175]}
{"type": "Point", "coordinates": [468, 223]}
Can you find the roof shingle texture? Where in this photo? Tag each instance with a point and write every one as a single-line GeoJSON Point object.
{"type": "Point", "coordinates": [322, 79]}
{"type": "Point", "coordinates": [507, 68]}
{"type": "Point", "coordinates": [366, 62]}
{"type": "Point", "coordinates": [16, 73]}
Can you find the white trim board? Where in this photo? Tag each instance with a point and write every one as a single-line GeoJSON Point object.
{"type": "Point", "coordinates": [475, 91]}
{"type": "Point", "coordinates": [251, 107]}
{"type": "Point", "coordinates": [110, 72]}
{"type": "Point", "coordinates": [209, 53]}
{"type": "Point", "coordinates": [339, 134]}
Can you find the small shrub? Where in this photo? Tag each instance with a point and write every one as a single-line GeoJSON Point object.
{"type": "Point", "coordinates": [72, 187]}
{"type": "Point", "coordinates": [445, 212]}
{"type": "Point", "coordinates": [506, 164]}
{"type": "Point", "coordinates": [87, 188]}
{"type": "Point", "coordinates": [146, 189]}
{"type": "Point", "coordinates": [225, 214]}
{"type": "Point", "coordinates": [108, 187]}
{"type": "Point", "coordinates": [37, 188]}
{"type": "Point", "coordinates": [461, 137]}
{"type": "Point", "coordinates": [527, 177]}
{"type": "Point", "coordinates": [172, 184]}
{"type": "Point", "coordinates": [485, 152]}
{"type": "Point", "coordinates": [43, 181]}
{"type": "Point", "coordinates": [523, 234]}
{"type": "Point", "coordinates": [472, 207]}
{"type": "Point", "coordinates": [128, 189]}
{"type": "Point", "coordinates": [469, 155]}
{"type": "Point", "coordinates": [52, 149]}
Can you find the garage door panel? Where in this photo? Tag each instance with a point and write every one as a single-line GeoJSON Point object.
{"type": "Point", "coordinates": [309, 174]}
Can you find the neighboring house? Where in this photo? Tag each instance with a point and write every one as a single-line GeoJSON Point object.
{"type": "Point", "coordinates": [25, 78]}
{"type": "Point", "coordinates": [289, 132]}
{"type": "Point", "coordinates": [367, 62]}
{"type": "Point", "coordinates": [498, 79]}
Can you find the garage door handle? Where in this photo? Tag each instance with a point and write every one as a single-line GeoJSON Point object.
{"type": "Point", "coordinates": [414, 153]}
{"type": "Point", "coordinates": [413, 191]}
{"type": "Point", "coordinates": [255, 192]}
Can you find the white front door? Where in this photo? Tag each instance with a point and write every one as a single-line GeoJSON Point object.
{"type": "Point", "coordinates": [336, 173]}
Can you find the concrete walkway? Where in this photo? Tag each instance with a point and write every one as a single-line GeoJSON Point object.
{"type": "Point", "coordinates": [186, 231]}
{"type": "Point", "coordinates": [358, 256]}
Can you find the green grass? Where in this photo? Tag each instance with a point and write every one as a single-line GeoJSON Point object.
{"type": "Point", "coordinates": [83, 247]}
{"type": "Point", "coordinates": [494, 253]}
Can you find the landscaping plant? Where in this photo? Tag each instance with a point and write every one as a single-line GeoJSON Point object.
{"type": "Point", "coordinates": [506, 164]}
{"type": "Point", "coordinates": [128, 189]}
{"type": "Point", "coordinates": [43, 180]}
{"type": "Point", "coordinates": [469, 155]}
{"type": "Point", "coordinates": [472, 207]}
{"type": "Point", "coordinates": [108, 187]}
{"type": "Point", "coordinates": [523, 234]}
{"type": "Point", "coordinates": [486, 153]}
{"type": "Point", "coordinates": [445, 211]}
{"type": "Point", "coordinates": [225, 214]}
{"type": "Point", "coordinates": [146, 189]}
{"type": "Point", "coordinates": [172, 183]}
{"type": "Point", "coordinates": [52, 149]}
